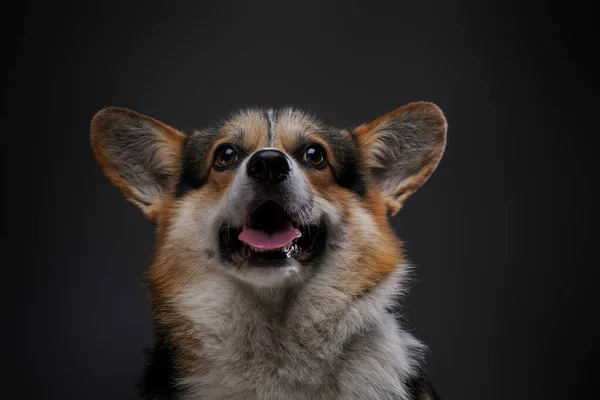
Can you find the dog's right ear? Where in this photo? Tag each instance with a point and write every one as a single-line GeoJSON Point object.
{"type": "Point", "coordinates": [140, 155]}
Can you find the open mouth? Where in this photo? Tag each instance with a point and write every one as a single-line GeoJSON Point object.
{"type": "Point", "coordinates": [271, 235]}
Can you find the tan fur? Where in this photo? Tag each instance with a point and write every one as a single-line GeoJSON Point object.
{"type": "Point", "coordinates": [367, 135]}
{"type": "Point", "coordinates": [252, 125]}
{"type": "Point", "coordinates": [293, 127]}
{"type": "Point", "coordinates": [169, 148]}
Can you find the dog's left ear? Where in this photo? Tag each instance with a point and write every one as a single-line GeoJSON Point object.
{"type": "Point", "coordinates": [140, 155]}
{"type": "Point", "coordinates": [402, 149]}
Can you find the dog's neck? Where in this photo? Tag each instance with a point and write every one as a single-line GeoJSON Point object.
{"type": "Point", "coordinates": [295, 342]}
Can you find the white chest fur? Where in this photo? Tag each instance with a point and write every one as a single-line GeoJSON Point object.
{"type": "Point", "coordinates": [310, 344]}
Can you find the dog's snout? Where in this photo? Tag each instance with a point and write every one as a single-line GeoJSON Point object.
{"type": "Point", "coordinates": [269, 166]}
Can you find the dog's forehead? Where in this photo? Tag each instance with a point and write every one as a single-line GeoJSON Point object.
{"type": "Point", "coordinates": [283, 128]}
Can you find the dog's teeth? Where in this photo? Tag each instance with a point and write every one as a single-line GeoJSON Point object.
{"type": "Point", "coordinates": [286, 249]}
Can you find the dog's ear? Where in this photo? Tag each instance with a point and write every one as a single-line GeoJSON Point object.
{"type": "Point", "coordinates": [140, 155]}
{"type": "Point", "coordinates": [402, 149]}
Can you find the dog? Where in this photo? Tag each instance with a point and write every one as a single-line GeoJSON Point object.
{"type": "Point", "coordinates": [275, 268]}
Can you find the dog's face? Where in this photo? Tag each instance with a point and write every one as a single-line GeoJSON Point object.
{"type": "Point", "coordinates": [271, 197]}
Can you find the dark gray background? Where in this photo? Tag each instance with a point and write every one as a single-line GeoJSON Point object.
{"type": "Point", "coordinates": [504, 234]}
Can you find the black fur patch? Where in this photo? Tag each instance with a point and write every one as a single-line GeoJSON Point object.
{"type": "Point", "coordinates": [193, 161]}
{"type": "Point", "coordinates": [158, 381]}
{"type": "Point", "coordinates": [194, 173]}
{"type": "Point", "coordinates": [420, 387]}
{"type": "Point", "coordinates": [348, 175]}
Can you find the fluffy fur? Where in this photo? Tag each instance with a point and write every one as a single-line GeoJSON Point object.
{"type": "Point", "coordinates": [319, 329]}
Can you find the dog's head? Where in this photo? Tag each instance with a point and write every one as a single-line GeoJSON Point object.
{"type": "Point", "coordinates": [271, 197]}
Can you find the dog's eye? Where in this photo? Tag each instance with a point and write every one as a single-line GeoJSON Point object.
{"type": "Point", "coordinates": [225, 156]}
{"type": "Point", "coordinates": [315, 156]}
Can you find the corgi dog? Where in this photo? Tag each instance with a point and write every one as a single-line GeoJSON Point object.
{"type": "Point", "coordinates": [275, 266]}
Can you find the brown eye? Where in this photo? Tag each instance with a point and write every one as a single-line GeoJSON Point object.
{"type": "Point", "coordinates": [315, 156]}
{"type": "Point", "coordinates": [226, 156]}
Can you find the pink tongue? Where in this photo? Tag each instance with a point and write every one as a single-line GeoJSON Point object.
{"type": "Point", "coordinates": [263, 241]}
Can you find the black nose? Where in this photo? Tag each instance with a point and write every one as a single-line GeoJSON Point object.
{"type": "Point", "coordinates": [269, 166]}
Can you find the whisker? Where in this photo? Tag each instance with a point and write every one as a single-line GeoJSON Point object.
{"type": "Point", "coordinates": [194, 272]}
{"type": "Point", "coordinates": [341, 258]}
{"type": "Point", "coordinates": [185, 248]}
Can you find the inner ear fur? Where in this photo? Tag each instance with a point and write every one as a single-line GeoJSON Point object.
{"type": "Point", "coordinates": [138, 154]}
{"type": "Point", "coordinates": [402, 149]}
